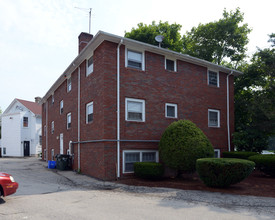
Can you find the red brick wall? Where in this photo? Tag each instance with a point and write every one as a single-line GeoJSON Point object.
{"type": "Point", "coordinates": [187, 88]}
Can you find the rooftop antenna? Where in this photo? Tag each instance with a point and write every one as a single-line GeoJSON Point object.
{"type": "Point", "coordinates": [159, 38]}
{"type": "Point", "coordinates": [89, 10]}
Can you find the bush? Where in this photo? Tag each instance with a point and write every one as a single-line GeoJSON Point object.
{"type": "Point", "coordinates": [239, 154]}
{"type": "Point", "coordinates": [265, 163]}
{"type": "Point", "coordinates": [181, 144]}
{"type": "Point", "coordinates": [223, 172]}
{"type": "Point", "coordinates": [148, 170]}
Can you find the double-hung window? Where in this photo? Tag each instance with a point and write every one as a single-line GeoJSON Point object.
{"type": "Point", "coordinates": [213, 118]}
{"type": "Point", "coordinates": [25, 122]}
{"type": "Point", "coordinates": [69, 84]}
{"type": "Point", "coordinates": [61, 106]}
{"type": "Point", "coordinates": [89, 112]}
{"type": "Point", "coordinates": [132, 156]}
{"type": "Point", "coordinates": [135, 110]}
{"type": "Point", "coordinates": [52, 128]}
{"type": "Point", "coordinates": [90, 66]}
{"type": "Point", "coordinates": [69, 120]}
{"type": "Point", "coordinates": [134, 59]}
{"type": "Point", "coordinates": [171, 110]}
{"type": "Point", "coordinates": [170, 65]}
{"type": "Point", "coordinates": [213, 78]}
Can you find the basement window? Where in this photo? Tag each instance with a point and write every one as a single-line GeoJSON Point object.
{"type": "Point", "coordinates": [132, 156]}
{"type": "Point", "coordinates": [217, 153]}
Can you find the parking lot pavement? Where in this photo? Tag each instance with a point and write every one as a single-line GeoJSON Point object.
{"type": "Point", "coordinates": [45, 193]}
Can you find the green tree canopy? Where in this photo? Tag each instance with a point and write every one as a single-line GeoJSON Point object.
{"type": "Point", "coordinates": [147, 33]}
{"type": "Point", "coordinates": [220, 41]}
{"type": "Point", "coordinates": [255, 102]}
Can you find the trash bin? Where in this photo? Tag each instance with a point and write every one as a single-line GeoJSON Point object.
{"type": "Point", "coordinates": [51, 164]}
{"type": "Point", "coordinates": [63, 162]}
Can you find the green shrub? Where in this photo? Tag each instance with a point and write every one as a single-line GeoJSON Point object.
{"type": "Point", "coordinates": [181, 144]}
{"type": "Point", "coordinates": [223, 172]}
{"type": "Point", "coordinates": [238, 154]}
{"type": "Point", "coordinates": [265, 163]}
{"type": "Point", "coordinates": [148, 170]}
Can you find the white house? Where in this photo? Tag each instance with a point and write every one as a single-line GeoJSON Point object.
{"type": "Point", "coordinates": [21, 129]}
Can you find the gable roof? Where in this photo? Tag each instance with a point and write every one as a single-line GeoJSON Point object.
{"type": "Point", "coordinates": [32, 106]}
{"type": "Point", "coordinates": [102, 36]}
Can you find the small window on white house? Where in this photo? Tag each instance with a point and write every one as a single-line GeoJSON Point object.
{"type": "Point", "coordinates": [45, 131]}
{"type": "Point", "coordinates": [213, 118]}
{"type": "Point", "coordinates": [89, 112]}
{"type": "Point", "coordinates": [171, 110]}
{"type": "Point", "coordinates": [213, 78]}
{"type": "Point", "coordinates": [25, 122]}
{"type": "Point", "coordinates": [134, 59]}
{"type": "Point", "coordinates": [69, 84]}
{"type": "Point", "coordinates": [217, 153]}
{"type": "Point", "coordinates": [69, 120]}
{"type": "Point", "coordinates": [52, 129]}
{"type": "Point", "coordinates": [135, 109]}
{"type": "Point", "coordinates": [170, 65]}
{"type": "Point", "coordinates": [132, 156]}
{"type": "Point", "coordinates": [90, 66]}
{"type": "Point", "coordinates": [61, 106]}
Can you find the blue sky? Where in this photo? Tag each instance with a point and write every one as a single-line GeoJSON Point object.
{"type": "Point", "coordinates": [39, 38]}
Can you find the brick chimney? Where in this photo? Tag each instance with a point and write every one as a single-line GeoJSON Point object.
{"type": "Point", "coordinates": [37, 99]}
{"type": "Point", "coordinates": [83, 40]}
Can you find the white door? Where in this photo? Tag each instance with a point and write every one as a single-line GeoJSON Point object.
{"type": "Point", "coordinates": [61, 143]}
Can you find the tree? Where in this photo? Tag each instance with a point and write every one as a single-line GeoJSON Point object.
{"type": "Point", "coordinates": [147, 33]}
{"type": "Point", "coordinates": [221, 41]}
{"type": "Point", "coordinates": [254, 101]}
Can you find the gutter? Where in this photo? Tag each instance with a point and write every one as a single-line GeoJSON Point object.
{"type": "Point", "coordinates": [118, 108]}
{"type": "Point", "coordinates": [78, 120]}
{"type": "Point", "coordinates": [227, 110]}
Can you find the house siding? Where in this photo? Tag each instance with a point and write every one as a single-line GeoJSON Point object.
{"type": "Point", "coordinates": [187, 88]}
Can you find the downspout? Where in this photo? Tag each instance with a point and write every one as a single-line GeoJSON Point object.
{"type": "Point", "coordinates": [78, 120]}
{"type": "Point", "coordinates": [118, 109]}
{"type": "Point", "coordinates": [227, 110]}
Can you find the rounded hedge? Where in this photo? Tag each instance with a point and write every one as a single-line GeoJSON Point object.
{"type": "Point", "coordinates": [181, 144]}
{"type": "Point", "coordinates": [148, 170]}
{"type": "Point", "coordinates": [223, 172]}
{"type": "Point", "coordinates": [265, 163]}
{"type": "Point", "coordinates": [239, 154]}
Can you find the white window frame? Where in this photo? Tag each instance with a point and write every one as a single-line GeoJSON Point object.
{"type": "Point", "coordinates": [140, 156]}
{"type": "Point", "coordinates": [135, 51]}
{"type": "Point", "coordinates": [214, 110]}
{"type": "Point", "coordinates": [52, 127]}
{"type": "Point", "coordinates": [69, 84]}
{"type": "Point", "coordinates": [27, 122]}
{"type": "Point", "coordinates": [87, 106]}
{"type": "Point", "coordinates": [61, 107]}
{"type": "Point", "coordinates": [89, 69]}
{"type": "Point", "coordinates": [176, 110]}
{"type": "Point", "coordinates": [143, 108]}
{"type": "Point", "coordinates": [219, 153]}
{"type": "Point", "coordinates": [69, 114]}
{"type": "Point", "coordinates": [218, 77]}
{"type": "Point", "coordinates": [175, 64]}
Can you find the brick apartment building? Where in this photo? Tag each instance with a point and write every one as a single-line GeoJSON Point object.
{"type": "Point", "coordinates": [111, 105]}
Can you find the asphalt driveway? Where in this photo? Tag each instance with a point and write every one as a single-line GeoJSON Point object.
{"type": "Point", "coordinates": [50, 194]}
